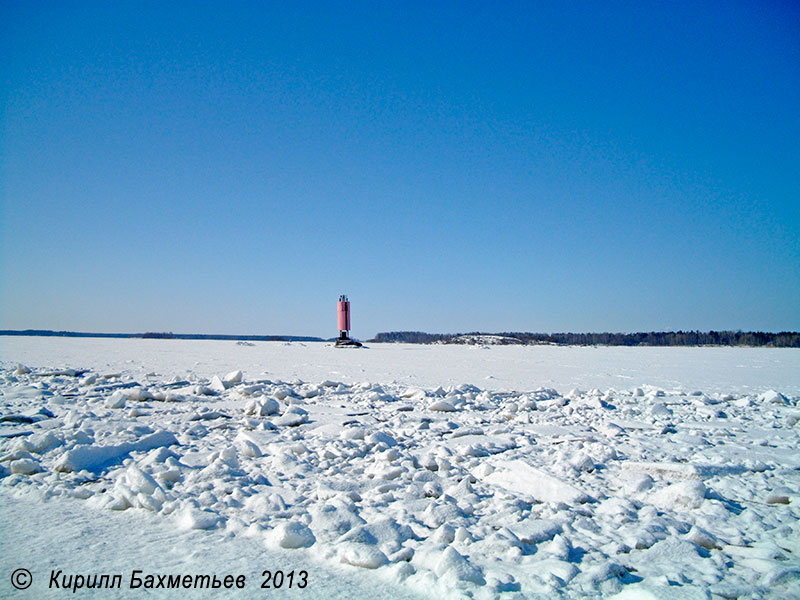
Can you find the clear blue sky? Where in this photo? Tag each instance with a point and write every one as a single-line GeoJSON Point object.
{"type": "Point", "coordinates": [234, 167]}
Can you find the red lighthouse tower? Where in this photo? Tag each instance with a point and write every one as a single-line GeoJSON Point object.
{"type": "Point", "coordinates": [343, 322]}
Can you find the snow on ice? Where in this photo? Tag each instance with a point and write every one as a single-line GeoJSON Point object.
{"type": "Point", "coordinates": [447, 491]}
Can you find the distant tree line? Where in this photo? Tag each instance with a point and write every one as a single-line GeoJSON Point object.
{"type": "Point", "coordinates": [73, 334]}
{"type": "Point", "coordinates": [162, 335]}
{"type": "Point", "coordinates": [784, 339]}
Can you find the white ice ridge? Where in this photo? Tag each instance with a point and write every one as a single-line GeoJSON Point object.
{"type": "Point", "coordinates": [518, 476]}
{"type": "Point", "coordinates": [450, 491]}
{"type": "Point", "coordinates": [91, 457]}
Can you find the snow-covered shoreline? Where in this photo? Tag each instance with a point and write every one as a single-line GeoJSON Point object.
{"type": "Point", "coordinates": [452, 490]}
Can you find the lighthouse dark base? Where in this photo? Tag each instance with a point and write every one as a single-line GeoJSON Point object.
{"type": "Point", "coordinates": [346, 342]}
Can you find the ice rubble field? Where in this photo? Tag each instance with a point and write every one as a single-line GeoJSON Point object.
{"type": "Point", "coordinates": [438, 471]}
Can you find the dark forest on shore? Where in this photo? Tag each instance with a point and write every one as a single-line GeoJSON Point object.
{"type": "Point", "coordinates": [786, 339]}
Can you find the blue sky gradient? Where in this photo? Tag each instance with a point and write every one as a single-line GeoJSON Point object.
{"type": "Point", "coordinates": [233, 168]}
